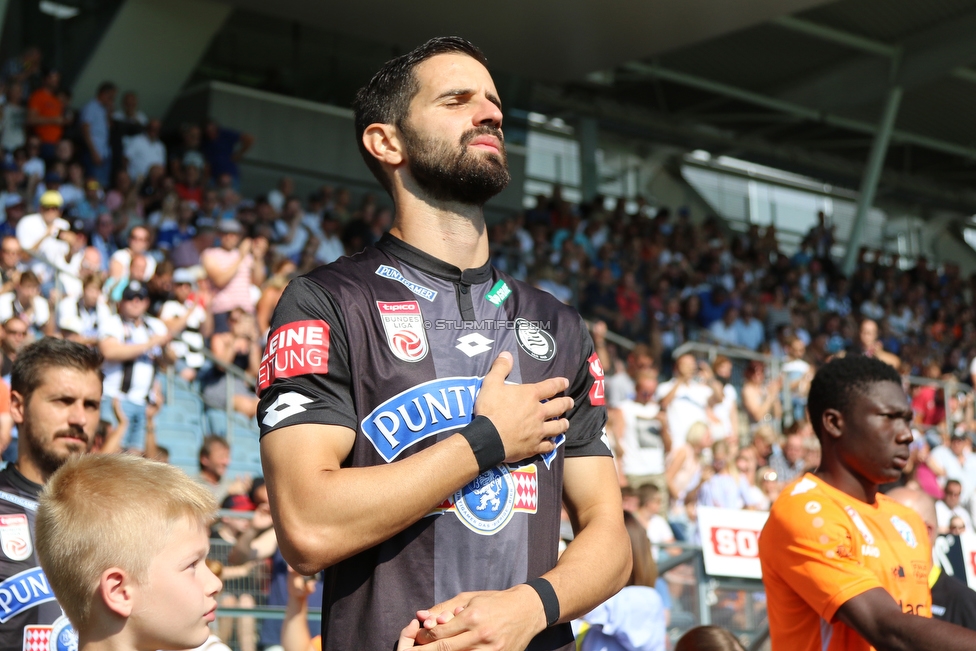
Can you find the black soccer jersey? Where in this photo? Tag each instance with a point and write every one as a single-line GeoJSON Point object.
{"type": "Point", "coordinates": [30, 618]}
{"type": "Point", "coordinates": [393, 344]}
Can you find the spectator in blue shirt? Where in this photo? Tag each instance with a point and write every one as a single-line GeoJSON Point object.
{"type": "Point", "coordinates": [223, 149]}
{"type": "Point", "coordinates": [96, 155]}
{"type": "Point", "coordinates": [713, 305]}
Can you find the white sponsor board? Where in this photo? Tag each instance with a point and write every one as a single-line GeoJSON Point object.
{"type": "Point", "coordinates": [968, 542]}
{"type": "Point", "coordinates": [730, 541]}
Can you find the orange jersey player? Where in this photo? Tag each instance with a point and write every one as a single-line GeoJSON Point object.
{"type": "Point", "coordinates": [846, 568]}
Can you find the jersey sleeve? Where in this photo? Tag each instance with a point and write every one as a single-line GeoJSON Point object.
{"type": "Point", "coordinates": [304, 375]}
{"type": "Point", "coordinates": [588, 417]}
{"type": "Point", "coordinates": [814, 554]}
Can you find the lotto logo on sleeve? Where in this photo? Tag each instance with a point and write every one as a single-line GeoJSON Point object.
{"type": "Point", "coordinates": [298, 348]}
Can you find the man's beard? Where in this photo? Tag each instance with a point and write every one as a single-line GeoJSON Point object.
{"type": "Point", "coordinates": [47, 459]}
{"type": "Point", "coordinates": [457, 174]}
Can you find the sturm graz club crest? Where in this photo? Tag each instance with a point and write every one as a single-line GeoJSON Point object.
{"type": "Point", "coordinates": [534, 340]}
{"type": "Point", "coordinates": [486, 504]}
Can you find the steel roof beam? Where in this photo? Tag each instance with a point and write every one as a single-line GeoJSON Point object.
{"type": "Point", "coordinates": [940, 50]}
{"type": "Point", "coordinates": [798, 110]}
{"type": "Point", "coordinates": [857, 42]}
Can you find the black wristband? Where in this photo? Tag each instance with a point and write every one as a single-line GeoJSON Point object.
{"type": "Point", "coordinates": [550, 602]}
{"type": "Point", "coordinates": [482, 436]}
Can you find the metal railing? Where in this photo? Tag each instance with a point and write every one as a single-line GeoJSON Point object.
{"type": "Point", "coordinates": [711, 351]}
{"type": "Point", "coordinates": [697, 599]}
{"type": "Point", "coordinates": [229, 369]}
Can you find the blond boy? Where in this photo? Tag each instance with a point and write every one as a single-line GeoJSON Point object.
{"type": "Point", "coordinates": [123, 542]}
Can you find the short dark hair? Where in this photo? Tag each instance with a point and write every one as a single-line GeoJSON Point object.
{"type": "Point", "coordinates": [953, 481]}
{"type": "Point", "coordinates": [209, 443]}
{"type": "Point", "coordinates": [646, 493]}
{"type": "Point", "coordinates": [104, 87]}
{"type": "Point", "coordinates": [835, 384]}
{"type": "Point", "coordinates": [29, 278]}
{"type": "Point", "coordinates": [35, 358]}
{"type": "Point", "coordinates": [386, 98]}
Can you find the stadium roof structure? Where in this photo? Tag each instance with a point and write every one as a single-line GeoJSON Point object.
{"type": "Point", "coordinates": [802, 85]}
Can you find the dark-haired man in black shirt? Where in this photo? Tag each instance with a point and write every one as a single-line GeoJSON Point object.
{"type": "Point", "coordinates": [56, 388]}
{"type": "Point", "coordinates": [425, 415]}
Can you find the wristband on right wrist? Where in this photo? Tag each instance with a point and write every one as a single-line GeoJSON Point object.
{"type": "Point", "coordinates": [550, 602]}
{"type": "Point", "coordinates": [485, 442]}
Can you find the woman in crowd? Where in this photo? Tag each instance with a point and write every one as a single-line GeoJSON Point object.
{"type": "Point", "coordinates": [683, 472]}
{"type": "Point", "coordinates": [634, 618]}
{"type": "Point", "coordinates": [140, 239]}
{"type": "Point", "coordinates": [745, 465]}
{"type": "Point", "coordinates": [721, 490]}
{"type": "Point", "coordinates": [238, 347]}
{"type": "Point", "coordinates": [282, 273]}
{"type": "Point", "coordinates": [761, 400]}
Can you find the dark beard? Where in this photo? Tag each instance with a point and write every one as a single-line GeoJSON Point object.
{"type": "Point", "coordinates": [47, 460]}
{"type": "Point", "coordinates": [457, 175]}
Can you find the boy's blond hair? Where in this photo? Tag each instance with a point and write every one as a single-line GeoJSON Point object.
{"type": "Point", "coordinates": [102, 511]}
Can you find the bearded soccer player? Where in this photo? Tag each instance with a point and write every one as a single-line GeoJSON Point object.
{"type": "Point", "coordinates": [424, 414]}
{"type": "Point", "coordinates": [56, 389]}
{"type": "Point", "coordinates": [847, 568]}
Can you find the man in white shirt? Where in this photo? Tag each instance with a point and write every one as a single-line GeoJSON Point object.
{"type": "Point", "coordinates": [956, 461]}
{"type": "Point", "coordinates": [726, 412]}
{"type": "Point", "coordinates": [724, 331]}
{"type": "Point", "coordinates": [642, 436]}
{"type": "Point", "coordinates": [187, 316]}
{"type": "Point", "coordinates": [34, 229]}
{"type": "Point", "coordinates": [621, 385]}
{"type": "Point", "coordinates": [330, 246]}
{"type": "Point", "coordinates": [79, 317]}
{"type": "Point", "coordinates": [145, 150]}
{"type": "Point", "coordinates": [798, 374]}
{"type": "Point", "coordinates": [686, 397]}
{"type": "Point", "coordinates": [47, 237]}
{"type": "Point", "coordinates": [132, 343]}
{"type": "Point", "coordinates": [26, 302]}
{"type": "Point", "coordinates": [651, 502]}
{"type": "Point", "coordinates": [949, 506]}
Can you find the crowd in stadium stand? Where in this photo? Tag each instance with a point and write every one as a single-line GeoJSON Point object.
{"type": "Point", "coordinates": [117, 235]}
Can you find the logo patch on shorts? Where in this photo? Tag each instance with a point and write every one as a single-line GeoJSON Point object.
{"type": "Point", "coordinates": [294, 349]}
{"type": "Point", "coordinates": [535, 341]}
{"type": "Point", "coordinates": [405, 333]}
{"type": "Point", "coordinates": [15, 538]}
{"type": "Point", "coordinates": [394, 274]}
